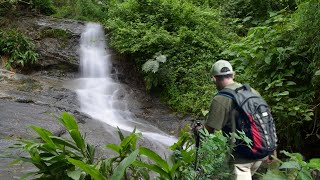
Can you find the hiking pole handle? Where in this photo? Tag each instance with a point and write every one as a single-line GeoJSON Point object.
{"type": "Point", "coordinates": [198, 126]}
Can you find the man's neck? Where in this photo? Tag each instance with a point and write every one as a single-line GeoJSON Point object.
{"type": "Point", "coordinates": [228, 82]}
{"type": "Point", "coordinates": [225, 83]}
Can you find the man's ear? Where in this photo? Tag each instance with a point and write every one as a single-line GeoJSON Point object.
{"type": "Point", "coordinates": [233, 75]}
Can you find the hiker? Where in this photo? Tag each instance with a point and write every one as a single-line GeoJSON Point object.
{"type": "Point", "coordinates": [224, 114]}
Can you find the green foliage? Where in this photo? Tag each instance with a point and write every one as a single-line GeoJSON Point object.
{"type": "Point", "coordinates": [88, 10]}
{"type": "Point", "coordinates": [17, 50]}
{"type": "Point", "coordinates": [308, 38]}
{"type": "Point", "coordinates": [256, 9]}
{"type": "Point", "coordinates": [55, 33]}
{"type": "Point", "coordinates": [277, 41]}
{"type": "Point", "coordinates": [127, 152]}
{"type": "Point", "coordinates": [246, 8]}
{"type": "Point", "coordinates": [38, 6]}
{"type": "Point", "coordinates": [86, 168]}
{"type": "Point", "coordinates": [152, 65]}
{"type": "Point", "coordinates": [6, 6]}
{"type": "Point", "coordinates": [293, 168]}
{"type": "Point", "coordinates": [241, 15]}
{"type": "Point", "coordinates": [213, 156]}
{"type": "Point", "coordinates": [269, 50]}
{"type": "Point", "coordinates": [42, 6]}
{"type": "Point", "coordinates": [210, 159]}
{"type": "Point", "coordinates": [189, 35]}
{"type": "Point", "coordinates": [160, 166]}
{"type": "Point", "coordinates": [60, 158]}
{"type": "Point", "coordinates": [51, 156]}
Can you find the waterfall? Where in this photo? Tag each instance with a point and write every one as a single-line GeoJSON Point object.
{"type": "Point", "coordinates": [100, 96]}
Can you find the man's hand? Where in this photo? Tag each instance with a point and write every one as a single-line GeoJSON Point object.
{"type": "Point", "coordinates": [197, 127]}
{"type": "Point", "coordinates": [270, 159]}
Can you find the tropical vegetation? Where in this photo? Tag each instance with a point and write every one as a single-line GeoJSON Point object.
{"type": "Point", "coordinates": [73, 158]}
{"type": "Point", "coordinates": [273, 44]}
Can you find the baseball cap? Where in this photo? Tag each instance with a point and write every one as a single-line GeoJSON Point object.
{"type": "Point", "coordinates": [221, 67]}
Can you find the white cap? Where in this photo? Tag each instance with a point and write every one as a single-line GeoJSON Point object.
{"type": "Point", "coordinates": [221, 67]}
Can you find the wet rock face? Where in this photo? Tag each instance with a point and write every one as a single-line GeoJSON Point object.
{"type": "Point", "coordinates": [29, 99]}
{"type": "Point", "coordinates": [56, 40]}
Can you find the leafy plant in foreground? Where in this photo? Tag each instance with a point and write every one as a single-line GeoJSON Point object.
{"type": "Point", "coordinates": [53, 156]}
{"type": "Point", "coordinates": [294, 168]}
{"type": "Point", "coordinates": [127, 153]}
{"type": "Point", "coordinates": [73, 158]}
{"type": "Point", "coordinates": [212, 156]}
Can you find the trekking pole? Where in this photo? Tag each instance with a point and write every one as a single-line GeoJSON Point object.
{"type": "Point", "coordinates": [196, 129]}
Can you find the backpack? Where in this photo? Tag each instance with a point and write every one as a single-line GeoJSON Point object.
{"type": "Point", "coordinates": [255, 120]}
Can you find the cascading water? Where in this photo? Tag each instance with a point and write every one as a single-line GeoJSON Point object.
{"type": "Point", "coordinates": [98, 92]}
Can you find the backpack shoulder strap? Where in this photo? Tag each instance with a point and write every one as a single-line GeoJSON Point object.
{"type": "Point", "coordinates": [232, 94]}
{"type": "Point", "coordinates": [227, 93]}
{"type": "Point", "coordinates": [245, 87]}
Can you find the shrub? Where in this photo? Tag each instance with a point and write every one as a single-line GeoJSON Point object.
{"type": "Point", "coordinates": [37, 6]}
{"type": "Point", "coordinates": [190, 37]}
{"type": "Point", "coordinates": [88, 10]}
{"type": "Point", "coordinates": [209, 161]}
{"type": "Point", "coordinates": [43, 6]}
{"type": "Point", "coordinates": [17, 49]}
{"type": "Point", "coordinates": [294, 167]}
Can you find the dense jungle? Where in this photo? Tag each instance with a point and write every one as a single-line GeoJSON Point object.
{"type": "Point", "coordinates": [273, 45]}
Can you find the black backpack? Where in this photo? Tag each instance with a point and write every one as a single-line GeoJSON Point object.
{"type": "Point", "coordinates": [255, 120]}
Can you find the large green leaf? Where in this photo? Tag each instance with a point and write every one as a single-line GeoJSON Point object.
{"type": "Point", "coordinates": [127, 140]}
{"type": "Point", "coordinates": [120, 134]}
{"type": "Point", "coordinates": [54, 158]}
{"type": "Point", "coordinates": [305, 174]}
{"type": "Point", "coordinates": [45, 135]}
{"type": "Point", "coordinates": [156, 158]}
{"type": "Point", "coordinates": [114, 147]}
{"type": "Point", "coordinates": [290, 165]}
{"type": "Point", "coordinates": [271, 175]}
{"type": "Point", "coordinates": [314, 163]}
{"type": "Point", "coordinates": [64, 142]}
{"type": "Point", "coordinates": [28, 175]}
{"type": "Point", "coordinates": [121, 168]}
{"type": "Point", "coordinates": [30, 147]}
{"type": "Point", "coordinates": [74, 174]}
{"type": "Point", "coordinates": [69, 121]}
{"type": "Point", "coordinates": [153, 167]}
{"type": "Point", "coordinates": [94, 173]}
{"type": "Point", "coordinates": [174, 168]}
{"type": "Point", "coordinates": [284, 93]}
{"type": "Point", "coordinates": [268, 59]}
{"type": "Point", "coordinates": [76, 136]}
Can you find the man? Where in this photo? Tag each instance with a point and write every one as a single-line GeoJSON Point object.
{"type": "Point", "coordinates": [222, 115]}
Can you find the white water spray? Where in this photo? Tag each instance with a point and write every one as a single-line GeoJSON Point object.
{"type": "Point", "coordinates": [98, 92]}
